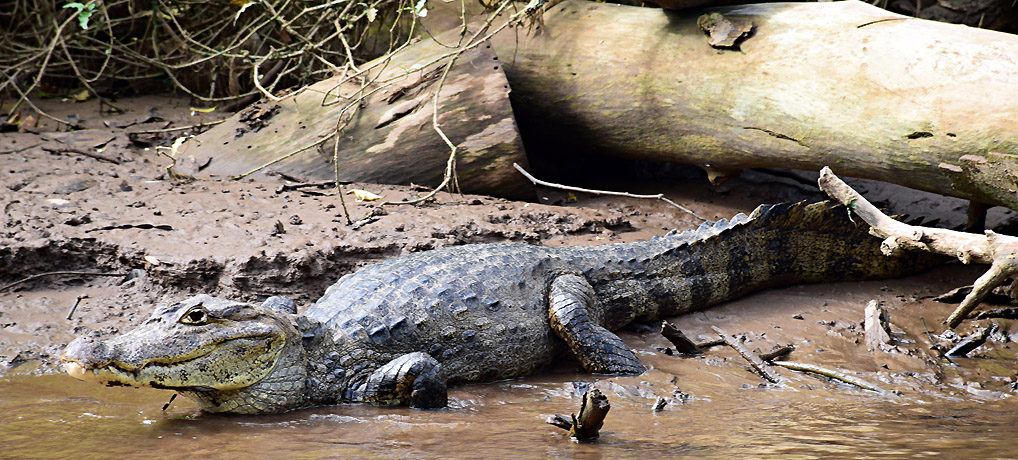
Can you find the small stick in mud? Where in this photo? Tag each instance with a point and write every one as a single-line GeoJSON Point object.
{"type": "Point", "coordinates": [963, 348]}
{"type": "Point", "coordinates": [933, 343]}
{"type": "Point", "coordinates": [206, 124]}
{"type": "Point", "coordinates": [803, 367]}
{"type": "Point", "coordinates": [40, 275]}
{"type": "Point", "coordinates": [763, 368]}
{"type": "Point", "coordinates": [676, 337]}
{"type": "Point", "coordinates": [593, 409]}
{"type": "Point", "coordinates": [659, 196]}
{"type": "Point", "coordinates": [783, 350]}
{"type": "Point", "coordinates": [709, 344]}
{"type": "Point", "coordinates": [86, 153]}
{"type": "Point", "coordinates": [1000, 251]}
{"type": "Point", "coordinates": [75, 306]}
{"type": "Point", "coordinates": [302, 185]}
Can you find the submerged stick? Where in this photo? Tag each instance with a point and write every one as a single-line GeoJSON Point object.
{"type": "Point", "coordinates": [1000, 251]}
{"type": "Point", "coordinates": [763, 368]}
{"type": "Point", "coordinates": [803, 367]}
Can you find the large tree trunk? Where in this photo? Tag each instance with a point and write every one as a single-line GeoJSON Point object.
{"type": "Point", "coordinates": [873, 94]}
{"type": "Point", "coordinates": [387, 134]}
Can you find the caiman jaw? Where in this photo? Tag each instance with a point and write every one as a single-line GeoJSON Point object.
{"type": "Point", "coordinates": [76, 370]}
{"type": "Point", "coordinates": [181, 373]}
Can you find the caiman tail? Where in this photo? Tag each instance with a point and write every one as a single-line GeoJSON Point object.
{"type": "Point", "coordinates": [776, 245]}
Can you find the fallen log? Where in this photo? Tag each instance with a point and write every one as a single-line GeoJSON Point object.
{"type": "Point", "coordinates": [871, 93]}
{"type": "Point", "coordinates": [875, 94]}
{"type": "Point", "coordinates": [385, 127]}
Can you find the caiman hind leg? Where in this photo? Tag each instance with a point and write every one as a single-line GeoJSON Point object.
{"type": "Point", "coordinates": [414, 379]}
{"type": "Point", "coordinates": [597, 348]}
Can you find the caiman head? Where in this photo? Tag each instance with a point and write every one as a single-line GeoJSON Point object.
{"type": "Point", "coordinates": [228, 356]}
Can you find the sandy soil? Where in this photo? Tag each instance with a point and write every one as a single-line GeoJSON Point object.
{"type": "Point", "coordinates": [159, 239]}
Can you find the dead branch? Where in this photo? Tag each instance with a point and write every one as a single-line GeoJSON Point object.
{"type": "Point", "coordinates": [58, 273]}
{"type": "Point", "coordinates": [86, 153]}
{"type": "Point", "coordinates": [972, 342]}
{"type": "Point", "coordinates": [804, 367]}
{"type": "Point", "coordinates": [593, 409]}
{"type": "Point", "coordinates": [783, 350]}
{"type": "Point", "coordinates": [659, 196]}
{"type": "Point", "coordinates": [999, 251]}
{"type": "Point", "coordinates": [677, 338]}
{"type": "Point", "coordinates": [763, 368]}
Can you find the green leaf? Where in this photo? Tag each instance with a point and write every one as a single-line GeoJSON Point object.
{"type": "Point", "coordinates": [84, 12]}
{"type": "Point", "coordinates": [371, 14]}
{"type": "Point", "coordinates": [419, 9]}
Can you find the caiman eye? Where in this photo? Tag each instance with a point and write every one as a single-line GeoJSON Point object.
{"type": "Point", "coordinates": [197, 317]}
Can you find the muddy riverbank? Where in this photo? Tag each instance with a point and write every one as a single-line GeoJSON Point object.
{"type": "Point", "coordinates": [121, 214]}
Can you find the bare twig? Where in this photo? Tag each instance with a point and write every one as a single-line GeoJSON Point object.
{"type": "Point", "coordinates": [57, 273]}
{"type": "Point", "coordinates": [86, 153]}
{"type": "Point", "coordinates": [1000, 251]}
{"type": "Point", "coordinates": [659, 196]}
{"type": "Point", "coordinates": [178, 128]}
{"type": "Point", "coordinates": [804, 367]}
{"type": "Point", "coordinates": [75, 306]}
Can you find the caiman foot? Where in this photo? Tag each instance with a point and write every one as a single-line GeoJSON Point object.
{"type": "Point", "coordinates": [598, 350]}
{"type": "Point", "coordinates": [414, 379]}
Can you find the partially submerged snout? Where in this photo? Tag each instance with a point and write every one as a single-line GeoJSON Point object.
{"type": "Point", "coordinates": [202, 345]}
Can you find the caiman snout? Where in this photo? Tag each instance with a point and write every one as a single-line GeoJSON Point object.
{"type": "Point", "coordinates": [83, 355]}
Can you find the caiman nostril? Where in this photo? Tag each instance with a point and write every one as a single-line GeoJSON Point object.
{"type": "Point", "coordinates": [86, 352]}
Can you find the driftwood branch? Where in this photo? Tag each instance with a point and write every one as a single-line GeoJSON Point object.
{"type": "Point", "coordinates": [587, 425]}
{"type": "Point", "coordinates": [763, 368]}
{"type": "Point", "coordinates": [999, 251]}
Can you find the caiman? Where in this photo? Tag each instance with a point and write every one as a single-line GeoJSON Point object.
{"type": "Point", "coordinates": [399, 331]}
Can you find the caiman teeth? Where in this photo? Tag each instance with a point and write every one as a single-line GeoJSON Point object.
{"type": "Point", "coordinates": [75, 370]}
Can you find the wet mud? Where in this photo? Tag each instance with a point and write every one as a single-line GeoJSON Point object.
{"type": "Point", "coordinates": [160, 240]}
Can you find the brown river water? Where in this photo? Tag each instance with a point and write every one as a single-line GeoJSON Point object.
{"type": "Point", "coordinates": [968, 411]}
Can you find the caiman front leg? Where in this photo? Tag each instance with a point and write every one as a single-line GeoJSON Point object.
{"type": "Point", "coordinates": [414, 379]}
{"type": "Point", "coordinates": [598, 350]}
